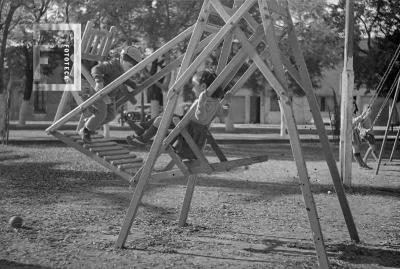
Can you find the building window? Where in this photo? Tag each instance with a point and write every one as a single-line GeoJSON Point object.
{"type": "Point", "coordinates": [323, 104]}
{"type": "Point", "coordinates": [274, 104]}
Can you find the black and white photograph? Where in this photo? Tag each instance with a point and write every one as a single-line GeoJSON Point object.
{"type": "Point", "coordinates": [199, 134]}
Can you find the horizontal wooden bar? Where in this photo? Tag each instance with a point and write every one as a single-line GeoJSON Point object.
{"type": "Point", "coordinates": [196, 167]}
{"type": "Point", "coordinates": [124, 161]}
{"type": "Point", "coordinates": [111, 153]}
{"type": "Point", "coordinates": [130, 165]}
{"type": "Point", "coordinates": [118, 157]}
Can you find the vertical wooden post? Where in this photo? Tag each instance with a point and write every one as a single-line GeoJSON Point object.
{"type": "Point", "coordinates": [347, 97]}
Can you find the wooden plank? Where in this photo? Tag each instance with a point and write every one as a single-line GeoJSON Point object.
{"type": "Point", "coordinates": [91, 155]}
{"type": "Point", "coordinates": [191, 183]}
{"type": "Point", "coordinates": [117, 82]}
{"type": "Point", "coordinates": [196, 168]}
{"type": "Point", "coordinates": [105, 148]}
{"type": "Point", "coordinates": [124, 161]}
{"type": "Point", "coordinates": [323, 137]}
{"type": "Point", "coordinates": [396, 95]}
{"type": "Point", "coordinates": [117, 157]}
{"type": "Point", "coordinates": [110, 40]}
{"type": "Point", "coordinates": [130, 165]}
{"type": "Point", "coordinates": [211, 28]}
{"type": "Point", "coordinates": [220, 154]}
{"type": "Point", "coordinates": [99, 144]}
{"type": "Point", "coordinates": [197, 151]}
{"type": "Point", "coordinates": [177, 160]}
{"type": "Point", "coordinates": [89, 44]}
{"type": "Point", "coordinates": [112, 153]}
{"type": "Point", "coordinates": [86, 35]}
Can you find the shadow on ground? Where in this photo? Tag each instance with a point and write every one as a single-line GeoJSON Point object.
{"type": "Point", "coordinates": [16, 265]}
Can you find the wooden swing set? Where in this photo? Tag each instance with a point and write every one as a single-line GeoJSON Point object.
{"type": "Point", "coordinates": [259, 48]}
{"type": "Point", "coordinates": [394, 88]}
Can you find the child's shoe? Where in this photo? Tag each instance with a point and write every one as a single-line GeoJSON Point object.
{"type": "Point", "coordinates": [85, 135]}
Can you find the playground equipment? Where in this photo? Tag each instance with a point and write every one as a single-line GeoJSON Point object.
{"type": "Point", "coordinates": [392, 109]}
{"type": "Point", "coordinates": [394, 88]}
{"type": "Point", "coordinates": [264, 54]}
{"type": "Point", "coordinates": [95, 46]}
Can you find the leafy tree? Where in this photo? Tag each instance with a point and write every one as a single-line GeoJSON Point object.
{"type": "Point", "coordinates": [377, 36]}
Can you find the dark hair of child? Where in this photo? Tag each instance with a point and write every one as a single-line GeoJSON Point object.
{"type": "Point", "coordinates": [208, 78]}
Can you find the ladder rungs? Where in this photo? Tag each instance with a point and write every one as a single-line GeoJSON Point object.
{"type": "Point", "coordinates": [77, 136]}
{"type": "Point", "coordinates": [130, 165]}
{"type": "Point", "coordinates": [124, 161]}
{"type": "Point", "coordinates": [106, 148]}
{"type": "Point", "coordinates": [99, 144]}
{"type": "Point", "coordinates": [113, 152]}
{"type": "Point", "coordinates": [118, 157]}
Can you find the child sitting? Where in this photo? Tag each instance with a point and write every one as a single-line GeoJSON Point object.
{"type": "Point", "coordinates": [208, 107]}
{"type": "Point", "coordinates": [103, 74]}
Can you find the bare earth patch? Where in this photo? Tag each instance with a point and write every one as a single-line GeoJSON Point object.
{"type": "Point", "coordinates": [73, 209]}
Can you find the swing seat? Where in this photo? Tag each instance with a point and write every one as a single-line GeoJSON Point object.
{"type": "Point", "coordinates": [199, 134]}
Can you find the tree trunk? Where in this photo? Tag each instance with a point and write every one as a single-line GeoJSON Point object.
{"type": "Point", "coordinates": [23, 112]}
{"type": "Point", "coordinates": [3, 94]}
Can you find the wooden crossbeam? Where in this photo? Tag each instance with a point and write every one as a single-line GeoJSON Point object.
{"type": "Point", "coordinates": [196, 167]}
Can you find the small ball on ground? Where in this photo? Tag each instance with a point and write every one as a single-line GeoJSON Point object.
{"type": "Point", "coordinates": [16, 221]}
{"type": "Point", "coordinates": [329, 192]}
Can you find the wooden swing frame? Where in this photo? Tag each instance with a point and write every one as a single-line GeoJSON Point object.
{"type": "Point", "coordinates": [270, 10]}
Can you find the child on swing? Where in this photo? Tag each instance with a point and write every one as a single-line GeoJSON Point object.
{"type": "Point", "coordinates": [103, 74]}
{"type": "Point", "coordinates": [359, 133]}
{"type": "Point", "coordinates": [208, 107]}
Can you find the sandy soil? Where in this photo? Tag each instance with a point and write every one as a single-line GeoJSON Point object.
{"type": "Point", "coordinates": [73, 210]}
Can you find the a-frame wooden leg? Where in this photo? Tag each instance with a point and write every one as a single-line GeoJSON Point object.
{"type": "Point", "coordinates": [191, 182]}
{"type": "Point", "coordinates": [396, 95]}
{"type": "Point", "coordinates": [295, 143]}
{"type": "Point", "coordinates": [305, 184]}
{"type": "Point", "coordinates": [330, 159]}
{"type": "Point", "coordinates": [394, 145]}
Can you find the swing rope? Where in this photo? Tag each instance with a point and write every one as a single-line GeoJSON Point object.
{"type": "Point", "coordinates": [386, 99]}
{"type": "Point", "coordinates": [379, 88]}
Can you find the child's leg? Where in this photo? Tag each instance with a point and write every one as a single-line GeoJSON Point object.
{"type": "Point", "coordinates": [97, 118]}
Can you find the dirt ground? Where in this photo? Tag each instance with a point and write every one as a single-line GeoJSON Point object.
{"type": "Point", "coordinates": [73, 209]}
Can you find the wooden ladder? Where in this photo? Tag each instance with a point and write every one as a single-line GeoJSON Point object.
{"type": "Point", "coordinates": [106, 152]}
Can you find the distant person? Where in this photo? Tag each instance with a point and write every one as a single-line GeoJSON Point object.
{"type": "Point", "coordinates": [103, 74]}
{"type": "Point", "coordinates": [356, 137]}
